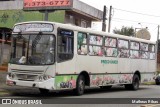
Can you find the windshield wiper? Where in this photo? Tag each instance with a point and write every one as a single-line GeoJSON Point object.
{"type": "Point", "coordinates": [36, 40]}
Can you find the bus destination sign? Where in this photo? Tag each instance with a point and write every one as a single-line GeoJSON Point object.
{"type": "Point", "coordinates": [46, 4]}
{"type": "Point", "coordinates": [34, 27]}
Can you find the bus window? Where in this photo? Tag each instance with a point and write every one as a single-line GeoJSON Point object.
{"type": "Point", "coordinates": [110, 42]}
{"type": "Point", "coordinates": [95, 45]}
{"type": "Point", "coordinates": [152, 51]}
{"type": "Point", "coordinates": [65, 45]}
{"type": "Point", "coordinates": [110, 47]}
{"type": "Point", "coordinates": [144, 50]}
{"type": "Point", "coordinates": [82, 43]}
{"type": "Point", "coordinates": [123, 48]}
{"type": "Point", "coordinates": [33, 49]}
{"type": "Point", "coordinates": [143, 47]}
{"type": "Point", "coordinates": [134, 50]}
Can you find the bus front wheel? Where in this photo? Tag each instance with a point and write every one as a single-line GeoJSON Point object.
{"type": "Point", "coordinates": [135, 83]}
{"type": "Point", "coordinates": [43, 91]}
{"type": "Point", "coordinates": [80, 85]}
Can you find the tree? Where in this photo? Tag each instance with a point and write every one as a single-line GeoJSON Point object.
{"type": "Point", "coordinates": [127, 31]}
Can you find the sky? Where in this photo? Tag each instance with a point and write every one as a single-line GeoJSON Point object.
{"type": "Point", "coordinates": [125, 13]}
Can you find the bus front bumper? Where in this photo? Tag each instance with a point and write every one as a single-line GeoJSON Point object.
{"type": "Point", "coordinates": [47, 84]}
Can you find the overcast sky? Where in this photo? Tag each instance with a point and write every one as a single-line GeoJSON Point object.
{"type": "Point", "coordinates": [121, 17]}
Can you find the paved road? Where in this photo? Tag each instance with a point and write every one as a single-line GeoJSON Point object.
{"type": "Point", "coordinates": [145, 91]}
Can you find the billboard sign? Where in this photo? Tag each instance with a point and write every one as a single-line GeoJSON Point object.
{"type": "Point", "coordinates": [46, 4]}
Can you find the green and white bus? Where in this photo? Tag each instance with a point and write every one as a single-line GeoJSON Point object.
{"type": "Point", "coordinates": [55, 56]}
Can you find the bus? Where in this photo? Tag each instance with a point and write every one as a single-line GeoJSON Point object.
{"type": "Point", "coordinates": [54, 56]}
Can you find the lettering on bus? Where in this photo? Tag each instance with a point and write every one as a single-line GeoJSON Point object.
{"type": "Point", "coordinates": [109, 61]}
{"type": "Point", "coordinates": [33, 27]}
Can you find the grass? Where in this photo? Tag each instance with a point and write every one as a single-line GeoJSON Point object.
{"type": "Point", "coordinates": [4, 93]}
{"type": "Point", "coordinates": [149, 83]}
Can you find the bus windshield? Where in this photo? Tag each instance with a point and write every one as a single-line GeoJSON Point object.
{"type": "Point", "coordinates": [33, 49]}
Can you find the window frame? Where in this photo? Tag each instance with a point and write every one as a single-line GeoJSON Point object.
{"type": "Point", "coordinates": [116, 47]}
{"type": "Point", "coordinates": [134, 49]}
{"type": "Point", "coordinates": [101, 46]}
{"type": "Point", "coordinates": [57, 47]}
{"type": "Point", "coordinates": [123, 48]}
{"type": "Point", "coordinates": [144, 51]}
{"type": "Point", "coordinates": [152, 52]}
{"type": "Point", "coordinates": [83, 43]}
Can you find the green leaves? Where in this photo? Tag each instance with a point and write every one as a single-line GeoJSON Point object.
{"type": "Point", "coordinates": [127, 31]}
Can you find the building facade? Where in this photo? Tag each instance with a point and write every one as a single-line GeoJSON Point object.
{"type": "Point", "coordinates": [11, 12]}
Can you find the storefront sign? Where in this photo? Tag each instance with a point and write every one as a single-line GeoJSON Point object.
{"type": "Point", "coordinates": [47, 4]}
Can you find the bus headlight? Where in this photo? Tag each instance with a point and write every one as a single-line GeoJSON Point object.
{"type": "Point", "coordinates": [11, 75]}
{"type": "Point", "coordinates": [44, 77]}
{"type": "Point", "coordinates": [40, 78]}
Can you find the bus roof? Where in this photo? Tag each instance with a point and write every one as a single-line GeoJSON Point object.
{"type": "Point", "coordinates": [89, 30]}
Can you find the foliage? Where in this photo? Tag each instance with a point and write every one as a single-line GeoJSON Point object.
{"type": "Point", "coordinates": [4, 17]}
{"type": "Point", "coordinates": [9, 17]}
{"type": "Point", "coordinates": [127, 31]}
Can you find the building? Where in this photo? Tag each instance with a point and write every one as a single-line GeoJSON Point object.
{"type": "Point", "coordinates": [11, 12]}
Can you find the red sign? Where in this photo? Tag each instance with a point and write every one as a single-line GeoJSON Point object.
{"type": "Point", "coordinates": [46, 3]}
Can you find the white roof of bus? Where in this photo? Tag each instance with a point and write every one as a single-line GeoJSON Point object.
{"type": "Point", "coordinates": [88, 30]}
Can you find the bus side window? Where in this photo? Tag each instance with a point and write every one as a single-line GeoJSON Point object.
{"type": "Point", "coordinates": [123, 48]}
{"type": "Point", "coordinates": [82, 43]}
{"type": "Point", "coordinates": [95, 45]}
{"type": "Point", "coordinates": [152, 52]}
{"type": "Point", "coordinates": [65, 44]}
{"type": "Point", "coordinates": [144, 50]}
{"type": "Point", "coordinates": [134, 50]}
{"type": "Point", "coordinates": [110, 49]}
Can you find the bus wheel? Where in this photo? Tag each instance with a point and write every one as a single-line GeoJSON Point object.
{"type": "Point", "coordinates": [106, 87]}
{"type": "Point", "coordinates": [80, 85]}
{"type": "Point", "coordinates": [135, 83]}
{"type": "Point", "coordinates": [43, 91]}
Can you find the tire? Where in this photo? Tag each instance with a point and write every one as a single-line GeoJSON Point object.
{"type": "Point", "coordinates": [80, 86]}
{"type": "Point", "coordinates": [157, 82]}
{"type": "Point", "coordinates": [106, 87]}
{"type": "Point", "coordinates": [135, 83]}
{"type": "Point", "coordinates": [43, 91]}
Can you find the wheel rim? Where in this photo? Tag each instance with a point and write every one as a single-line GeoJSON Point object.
{"type": "Point", "coordinates": [81, 85]}
{"type": "Point", "coordinates": [136, 83]}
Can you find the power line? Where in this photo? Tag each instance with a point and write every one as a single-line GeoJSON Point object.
{"type": "Point", "coordinates": [137, 13]}
{"type": "Point", "coordinates": [121, 20]}
{"type": "Point", "coordinates": [133, 21]}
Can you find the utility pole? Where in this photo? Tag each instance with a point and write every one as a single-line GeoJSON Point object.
{"type": "Point", "coordinates": [2, 47]}
{"type": "Point", "coordinates": [157, 46]}
{"type": "Point", "coordinates": [109, 21]}
{"type": "Point", "coordinates": [104, 19]}
{"type": "Point", "coordinates": [46, 15]}
{"type": "Point", "coordinates": [157, 38]}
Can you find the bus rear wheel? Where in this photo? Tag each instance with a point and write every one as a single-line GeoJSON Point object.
{"type": "Point", "coordinates": [135, 83]}
{"type": "Point", "coordinates": [43, 91]}
{"type": "Point", "coordinates": [80, 86]}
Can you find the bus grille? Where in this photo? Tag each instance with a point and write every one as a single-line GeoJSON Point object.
{"type": "Point", "coordinates": [27, 75]}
